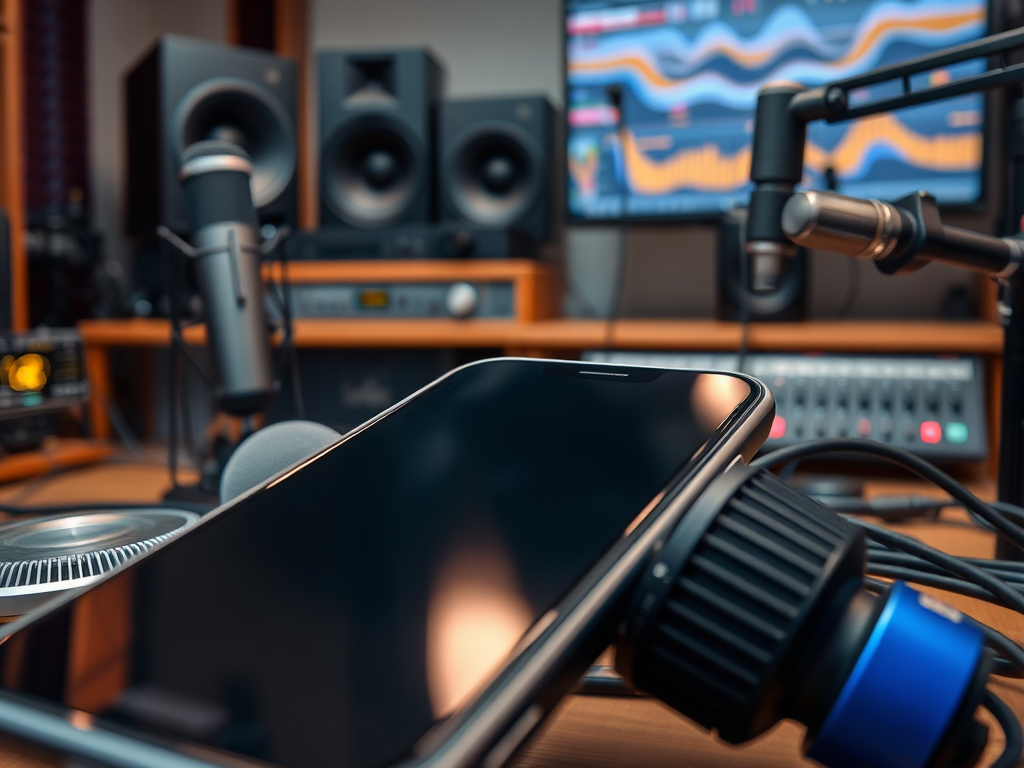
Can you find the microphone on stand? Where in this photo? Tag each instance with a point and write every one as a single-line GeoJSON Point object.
{"type": "Point", "coordinates": [221, 215]}
{"type": "Point", "coordinates": [899, 237]}
{"type": "Point", "coordinates": [862, 228]}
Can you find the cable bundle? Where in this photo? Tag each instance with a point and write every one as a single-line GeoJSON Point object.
{"type": "Point", "coordinates": [893, 555]}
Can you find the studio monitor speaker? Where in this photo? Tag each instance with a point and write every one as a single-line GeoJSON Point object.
{"type": "Point", "coordinates": [186, 90]}
{"type": "Point", "coordinates": [496, 165]}
{"type": "Point", "coordinates": [377, 111]}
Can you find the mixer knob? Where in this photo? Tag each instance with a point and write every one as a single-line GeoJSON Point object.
{"type": "Point", "coordinates": [462, 300]}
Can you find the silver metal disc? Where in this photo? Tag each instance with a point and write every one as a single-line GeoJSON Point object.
{"type": "Point", "coordinates": [44, 555]}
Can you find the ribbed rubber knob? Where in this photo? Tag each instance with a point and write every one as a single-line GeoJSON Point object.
{"type": "Point", "coordinates": [714, 625]}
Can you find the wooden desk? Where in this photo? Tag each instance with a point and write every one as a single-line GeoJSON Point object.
{"type": "Point", "coordinates": [593, 731]}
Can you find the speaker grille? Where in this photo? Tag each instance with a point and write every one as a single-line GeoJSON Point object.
{"type": "Point", "coordinates": [243, 113]}
{"type": "Point", "coordinates": [372, 172]}
{"type": "Point", "coordinates": [60, 549]}
{"type": "Point", "coordinates": [492, 175]}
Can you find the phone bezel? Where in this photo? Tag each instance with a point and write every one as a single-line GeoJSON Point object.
{"type": "Point", "coordinates": [540, 671]}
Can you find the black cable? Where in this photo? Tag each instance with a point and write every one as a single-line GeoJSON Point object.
{"type": "Point", "coordinates": [1009, 530]}
{"type": "Point", "coordinates": [948, 583]}
{"type": "Point", "coordinates": [1001, 569]}
{"type": "Point", "coordinates": [1011, 654]}
{"type": "Point", "coordinates": [743, 294]}
{"type": "Point", "coordinates": [622, 188]}
{"type": "Point", "coordinates": [172, 380]}
{"type": "Point", "coordinates": [968, 572]}
{"type": "Point", "coordinates": [289, 332]}
{"type": "Point", "coordinates": [852, 289]}
{"type": "Point", "coordinates": [1011, 730]}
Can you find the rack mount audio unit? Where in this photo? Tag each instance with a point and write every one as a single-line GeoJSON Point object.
{"type": "Point", "coordinates": [505, 289]}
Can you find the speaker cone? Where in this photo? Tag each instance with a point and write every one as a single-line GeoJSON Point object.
{"type": "Point", "coordinates": [245, 114]}
{"type": "Point", "coordinates": [371, 173]}
{"type": "Point", "coordinates": [491, 175]}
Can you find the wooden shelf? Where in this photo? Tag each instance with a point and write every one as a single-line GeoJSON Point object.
{"type": "Point", "coordinates": [56, 454]}
{"type": "Point", "coordinates": [561, 338]}
{"type": "Point", "coordinates": [977, 337]}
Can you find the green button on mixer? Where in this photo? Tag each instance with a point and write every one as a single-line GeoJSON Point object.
{"type": "Point", "coordinates": [956, 432]}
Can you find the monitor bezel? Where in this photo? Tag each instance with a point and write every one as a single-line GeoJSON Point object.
{"type": "Point", "coordinates": [713, 217]}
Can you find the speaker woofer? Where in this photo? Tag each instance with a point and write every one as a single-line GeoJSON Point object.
{"type": "Point", "coordinates": [492, 174]}
{"type": "Point", "coordinates": [234, 110]}
{"type": "Point", "coordinates": [372, 174]}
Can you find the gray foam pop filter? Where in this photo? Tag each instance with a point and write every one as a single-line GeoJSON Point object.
{"type": "Point", "coordinates": [265, 453]}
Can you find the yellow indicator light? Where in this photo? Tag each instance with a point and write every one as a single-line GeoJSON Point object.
{"type": "Point", "coordinates": [373, 297]}
{"type": "Point", "coordinates": [28, 373]}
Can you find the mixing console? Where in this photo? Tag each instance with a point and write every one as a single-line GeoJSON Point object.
{"type": "Point", "coordinates": [933, 406]}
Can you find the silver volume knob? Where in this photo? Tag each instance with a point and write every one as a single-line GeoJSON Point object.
{"type": "Point", "coordinates": [462, 300]}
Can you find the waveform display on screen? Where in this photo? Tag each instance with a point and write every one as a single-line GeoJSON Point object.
{"type": "Point", "coordinates": [689, 72]}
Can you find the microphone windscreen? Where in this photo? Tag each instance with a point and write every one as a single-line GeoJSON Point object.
{"type": "Point", "coordinates": [215, 184]}
{"type": "Point", "coordinates": [265, 453]}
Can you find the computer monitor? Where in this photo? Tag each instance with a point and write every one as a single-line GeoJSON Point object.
{"type": "Point", "coordinates": [685, 76]}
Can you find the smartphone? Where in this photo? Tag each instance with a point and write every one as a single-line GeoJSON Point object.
{"type": "Point", "coordinates": [422, 592]}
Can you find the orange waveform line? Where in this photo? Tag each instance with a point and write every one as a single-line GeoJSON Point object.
{"type": "Point", "coordinates": [703, 168]}
{"type": "Point", "coordinates": [708, 169]}
{"type": "Point", "coordinates": [945, 152]}
{"type": "Point", "coordinates": [755, 59]}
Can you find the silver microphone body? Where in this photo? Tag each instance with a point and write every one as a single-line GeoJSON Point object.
{"type": "Point", "coordinates": [898, 238]}
{"type": "Point", "coordinates": [864, 229]}
{"type": "Point", "coordinates": [215, 179]}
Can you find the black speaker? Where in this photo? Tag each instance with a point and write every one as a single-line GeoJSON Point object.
{"type": "Point", "coordinates": [496, 166]}
{"type": "Point", "coordinates": [186, 90]}
{"type": "Point", "coordinates": [377, 111]}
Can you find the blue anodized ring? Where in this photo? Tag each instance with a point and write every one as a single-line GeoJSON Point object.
{"type": "Point", "coordinates": [905, 687]}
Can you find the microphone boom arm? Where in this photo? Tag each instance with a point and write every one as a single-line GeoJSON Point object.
{"type": "Point", "coordinates": [780, 131]}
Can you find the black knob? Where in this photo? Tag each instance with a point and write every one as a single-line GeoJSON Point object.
{"type": "Point", "coordinates": [717, 627]}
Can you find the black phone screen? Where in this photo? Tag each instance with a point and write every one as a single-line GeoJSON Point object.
{"type": "Point", "coordinates": [332, 618]}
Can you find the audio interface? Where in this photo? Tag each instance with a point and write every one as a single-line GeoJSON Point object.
{"type": "Point", "coordinates": [459, 299]}
{"type": "Point", "coordinates": [508, 289]}
{"type": "Point", "coordinates": [932, 406]}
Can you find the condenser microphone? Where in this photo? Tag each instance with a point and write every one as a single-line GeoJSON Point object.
{"type": "Point", "coordinates": [218, 203]}
{"type": "Point", "coordinates": [899, 237]}
{"type": "Point", "coordinates": [864, 229]}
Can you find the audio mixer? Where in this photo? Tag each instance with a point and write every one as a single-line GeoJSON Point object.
{"type": "Point", "coordinates": [932, 406]}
